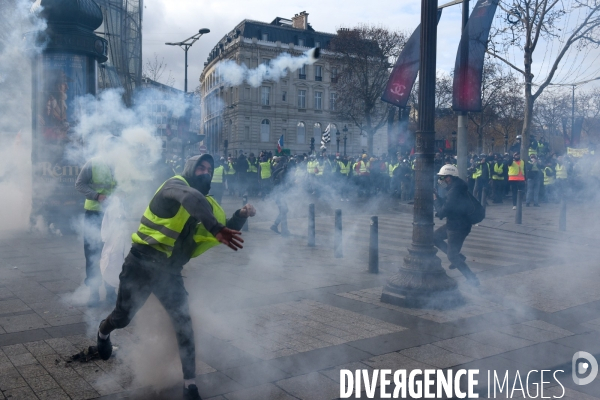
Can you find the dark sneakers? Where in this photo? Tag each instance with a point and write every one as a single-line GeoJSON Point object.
{"type": "Point", "coordinates": [191, 393]}
{"type": "Point", "coordinates": [104, 346]}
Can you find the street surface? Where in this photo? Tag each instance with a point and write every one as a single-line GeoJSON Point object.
{"type": "Point", "coordinates": [278, 320]}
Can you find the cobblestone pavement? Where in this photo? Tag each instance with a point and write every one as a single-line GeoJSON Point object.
{"type": "Point", "coordinates": [278, 320]}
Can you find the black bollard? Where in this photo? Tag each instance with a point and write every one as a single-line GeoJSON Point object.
{"type": "Point", "coordinates": [374, 246]}
{"type": "Point", "coordinates": [337, 238]}
{"type": "Point", "coordinates": [519, 214]}
{"type": "Point", "coordinates": [562, 219]}
{"type": "Point", "coordinates": [311, 225]}
{"type": "Point", "coordinates": [244, 202]}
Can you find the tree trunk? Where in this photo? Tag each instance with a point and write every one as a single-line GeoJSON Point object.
{"type": "Point", "coordinates": [479, 139]}
{"type": "Point", "coordinates": [370, 143]}
{"type": "Point", "coordinates": [527, 118]}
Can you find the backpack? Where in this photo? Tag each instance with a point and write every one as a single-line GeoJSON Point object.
{"type": "Point", "coordinates": [475, 211]}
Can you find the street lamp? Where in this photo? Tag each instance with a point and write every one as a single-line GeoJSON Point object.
{"type": "Point", "coordinates": [505, 142]}
{"type": "Point", "coordinates": [493, 141]}
{"type": "Point", "coordinates": [345, 133]}
{"type": "Point", "coordinates": [454, 142]}
{"type": "Point", "coordinates": [421, 281]}
{"type": "Point", "coordinates": [337, 139]}
{"type": "Point", "coordinates": [185, 45]}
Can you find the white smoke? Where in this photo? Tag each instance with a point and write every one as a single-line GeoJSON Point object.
{"type": "Point", "coordinates": [15, 119]}
{"type": "Point", "coordinates": [234, 74]}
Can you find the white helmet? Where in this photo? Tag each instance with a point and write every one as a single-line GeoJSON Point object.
{"type": "Point", "coordinates": [448, 170]}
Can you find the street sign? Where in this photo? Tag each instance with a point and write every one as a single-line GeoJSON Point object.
{"type": "Point", "coordinates": [203, 149]}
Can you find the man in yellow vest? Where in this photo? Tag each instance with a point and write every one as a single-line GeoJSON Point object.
{"type": "Point", "coordinates": [95, 181]}
{"type": "Point", "coordinates": [180, 222]}
{"type": "Point", "coordinates": [497, 170]}
{"type": "Point", "coordinates": [217, 184]}
{"type": "Point", "coordinates": [516, 177]}
{"type": "Point", "coordinates": [230, 176]}
{"type": "Point", "coordinates": [562, 176]}
{"type": "Point", "coordinates": [345, 173]}
{"type": "Point", "coordinates": [264, 173]}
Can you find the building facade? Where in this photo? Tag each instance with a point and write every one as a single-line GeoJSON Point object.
{"type": "Point", "coordinates": [299, 106]}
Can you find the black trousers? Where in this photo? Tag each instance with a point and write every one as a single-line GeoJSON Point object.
{"type": "Point", "coordinates": [498, 190]}
{"type": "Point", "coordinates": [452, 248]}
{"type": "Point", "coordinates": [92, 247]}
{"type": "Point", "coordinates": [515, 186]}
{"type": "Point", "coordinates": [140, 278]}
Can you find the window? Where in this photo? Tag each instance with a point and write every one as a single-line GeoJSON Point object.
{"type": "Point", "coordinates": [317, 44]}
{"type": "Point", "coordinates": [284, 96]}
{"type": "Point", "coordinates": [317, 132]}
{"type": "Point", "coordinates": [265, 37]}
{"type": "Point", "coordinates": [332, 101]}
{"type": "Point", "coordinates": [318, 100]}
{"type": "Point", "coordinates": [246, 133]}
{"type": "Point", "coordinates": [265, 95]}
{"type": "Point", "coordinates": [363, 139]}
{"type": "Point", "coordinates": [318, 73]}
{"type": "Point", "coordinates": [266, 61]}
{"type": "Point", "coordinates": [284, 133]}
{"type": "Point", "coordinates": [247, 93]}
{"type": "Point", "coordinates": [334, 75]}
{"type": "Point", "coordinates": [300, 42]}
{"type": "Point", "coordinates": [300, 133]}
{"type": "Point", "coordinates": [302, 72]}
{"type": "Point", "coordinates": [301, 98]}
{"type": "Point", "coordinates": [265, 130]}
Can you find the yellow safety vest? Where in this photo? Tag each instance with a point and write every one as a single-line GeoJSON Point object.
{"type": "Point", "coordinates": [392, 168]}
{"type": "Point", "coordinates": [561, 171]}
{"type": "Point", "coordinates": [364, 167]}
{"type": "Point", "coordinates": [344, 169]}
{"type": "Point", "coordinates": [102, 182]}
{"type": "Point", "coordinates": [218, 175]}
{"type": "Point", "coordinates": [231, 170]}
{"type": "Point", "coordinates": [516, 171]}
{"type": "Point", "coordinates": [498, 172]}
{"type": "Point", "coordinates": [310, 167]}
{"type": "Point", "coordinates": [320, 169]}
{"type": "Point", "coordinates": [161, 233]}
{"type": "Point", "coordinates": [251, 167]}
{"type": "Point", "coordinates": [265, 170]}
{"type": "Point", "coordinates": [532, 151]}
{"type": "Point", "coordinates": [548, 180]}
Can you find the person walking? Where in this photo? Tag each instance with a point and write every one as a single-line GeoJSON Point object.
{"type": "Point", "coordinates": [180, 222]}
{"type": "Point", "coordinates": [280, 189]}
{"type": "Point", "coordinates": [96, 182]}
{"type": "Point", "coordinates": [217, 185]}
{"type": "Point", "coordinates": [454, 207]}
{"type": "Point", "coordinates": [498, 179]}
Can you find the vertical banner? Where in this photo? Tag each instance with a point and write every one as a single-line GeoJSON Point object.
{"type": "Point", "coordinates": [468, 69]}
{"type": "Point", "coordinates": [59, 79]}
{"type": "Point", "coordinates": [404, 74]}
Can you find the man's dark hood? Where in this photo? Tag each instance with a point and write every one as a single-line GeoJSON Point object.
{"type": "Point", "coordinates": [199, 183]}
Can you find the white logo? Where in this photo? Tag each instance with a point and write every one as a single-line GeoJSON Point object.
{"type": "Point", "coordinates": [582, 367]}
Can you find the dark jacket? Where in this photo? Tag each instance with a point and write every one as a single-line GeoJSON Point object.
{"type": "Point", "coordinates": [165, 204]}
{"type": "Point", "coordinates": [454, 207]}
{"type": "Point", "coordinates": [533, 170]}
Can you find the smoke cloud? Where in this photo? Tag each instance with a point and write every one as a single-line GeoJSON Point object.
{"type": "Point", "coordinates": [233, 74]}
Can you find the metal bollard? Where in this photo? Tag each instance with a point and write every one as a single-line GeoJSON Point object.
{"type": "Point", "coordinates": [244, 202]}
{"type": "Point", "coordinates": [338, 251]}
{"type": "Point", "coordinates": [374, 246]}
{"type": "Point", "coordinates": [562, 219]}
{"type": "Point", "coordinates": [311, 225]}
{"type": "Point", "coordinates": [519, 214]}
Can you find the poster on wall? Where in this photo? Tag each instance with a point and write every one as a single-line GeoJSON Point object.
{"type": "Point", "coordinates": [59, 80]}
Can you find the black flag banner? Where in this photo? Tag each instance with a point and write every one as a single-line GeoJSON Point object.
{"type": "Point", "coordinates": [404, 74]}
{"type": "Point", "coordinates": [326, 136]}
{"type": "Point", "coordinates": [468, 70]}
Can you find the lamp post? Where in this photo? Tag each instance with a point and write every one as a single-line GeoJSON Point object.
{"type": "Point", "coordinates": [185, 45]}
{"type": "Point", "coordinates": [337, 139]}
{"type": "Point", "coordinates": [421, 281]}
{"type": "Point", "coordinates": [505, 143]}
{"type": "Point", "coordinates": [493, 140]}
{"type": "Point", "coordinates": [454, 142]}
{"type": "Point", "coordinates": [345, 138]}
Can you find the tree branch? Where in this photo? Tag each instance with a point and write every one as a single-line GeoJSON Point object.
{"type": "Point", "coordinates": [505, 61]}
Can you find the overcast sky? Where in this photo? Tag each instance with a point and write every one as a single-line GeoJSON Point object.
{"type": "Point", "coordinates": [177, 20]}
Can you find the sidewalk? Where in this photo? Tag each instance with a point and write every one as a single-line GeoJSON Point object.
{"type": "Point", "coordinates": [278, 320]}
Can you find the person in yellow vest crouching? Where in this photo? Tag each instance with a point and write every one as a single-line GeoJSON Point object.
{"type": "Point", "coordinates": [96, 182]}
{"type": "Point", "coordinates": [181, 222]}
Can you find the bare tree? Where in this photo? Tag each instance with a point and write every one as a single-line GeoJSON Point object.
{"type": "Point", "coordinates": [154, 69]}
{"type": "Point", "coordinates": [365, 55]}
{"type": "Point", "coordinates": [528, 21]}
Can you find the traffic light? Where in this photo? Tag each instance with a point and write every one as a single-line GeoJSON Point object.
{"type": "Point", "coordinates": [312, 144]}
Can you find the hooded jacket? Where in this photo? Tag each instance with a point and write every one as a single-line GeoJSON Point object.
{"type": "Point", "coordinates": [165, 204]}
{"type": "Point", "coordinates": [454, 207]}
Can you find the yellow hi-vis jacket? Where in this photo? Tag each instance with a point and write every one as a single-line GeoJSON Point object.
{"type": "Point", "coordinates": [265, 170]}
{"type": "Point", "coordinates": [516, 171]}
{"type": "Point", "coordinates": [311, 167]}
{"type": "Point", "coordinates": [345, 169]}
{"type": "Point", "coordinates": [498, 173]}
{"type": "Point", "coordinates": [161, 233]}
{"type": "Point", "coordinates": [251, 167]}
{"type": "Point", "coordinates": [102, 182]}
{"type": "Point", "coordinates": [231, 170]}
{"type": "Point", "coordinates": [392, 168]}
{"type": "Point", "coordinates": [548, 178]}
{"type": "Point", "coordinates": [218, 174]}
{"type": "Point", "coordinates": [561, 171]}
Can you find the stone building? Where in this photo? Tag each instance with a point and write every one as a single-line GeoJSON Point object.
{"type": "Point", "coordinates": [299, 106]}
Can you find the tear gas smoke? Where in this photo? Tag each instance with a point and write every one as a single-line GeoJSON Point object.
{"type": "Point", "coordinates": [15, 118]}
{"type": "Point", "coordinates": [234, 74]}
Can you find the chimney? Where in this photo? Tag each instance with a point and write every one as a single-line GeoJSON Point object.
{"type": "Point", "coordinates": [300, 21]}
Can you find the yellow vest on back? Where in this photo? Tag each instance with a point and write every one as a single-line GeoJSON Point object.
{"type": "Point", "coordinates": [102, 182]}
